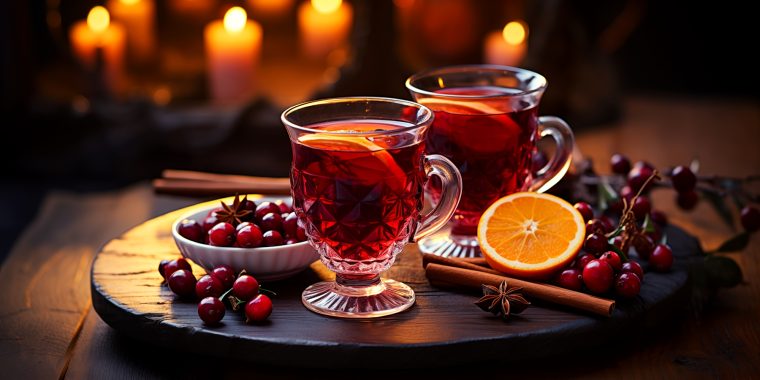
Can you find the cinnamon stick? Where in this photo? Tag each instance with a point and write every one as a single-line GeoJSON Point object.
{"type": "Point", "coordinates": [215, 188]}
{"type": "Point", "coordinates": [460, 263]}
{"type": "Point", "coordinates": [474, 278]}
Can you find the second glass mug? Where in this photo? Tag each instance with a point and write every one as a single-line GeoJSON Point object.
{"type": "Point", "coordinates": [357, 177]}
{"type": "Point", "coordinates": [487, 123]}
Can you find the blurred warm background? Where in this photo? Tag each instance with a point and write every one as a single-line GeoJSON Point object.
{"type": "Point", "coordinates": [101, 94]}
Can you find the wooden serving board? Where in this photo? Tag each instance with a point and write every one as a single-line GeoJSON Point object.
{"type": "Point", "coordinates": [443, 328]}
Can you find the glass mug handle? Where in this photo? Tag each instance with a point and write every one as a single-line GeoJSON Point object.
{"type": "Point", "coordinates": [451, 191]}
{"type": "Point", "coordinates": [550, 174]}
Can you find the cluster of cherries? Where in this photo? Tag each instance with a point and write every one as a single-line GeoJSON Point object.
{"type": "Point", "coordinates": [599, 268]}
{"type": "Point", "coordinates": [246, 224]}
{"type": "Point", "coordinates": [241, 291]}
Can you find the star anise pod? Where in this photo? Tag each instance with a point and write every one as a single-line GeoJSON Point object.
{"type": "Point", "coordinates": [502, 300]}
{"type": "Point", "coordinates": [233, 214]}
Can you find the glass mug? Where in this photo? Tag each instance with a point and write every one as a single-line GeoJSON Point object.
{"type": "Point", "coordinates": [487, 123]}
{"type": "Point", "coordinates": [357, 182]}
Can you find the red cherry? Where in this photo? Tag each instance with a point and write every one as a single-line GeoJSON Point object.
{"type": "Point", "coordinates": [161, 267]}
{"type": "Point", "coordinates": [597, 275]}
{"type": "Point", "coordinates": [284, 208]}
{"type": "Point", "coordinates": [750, 218]}
{"type": "Point", "coordinates": [300, 234]}
{"type": "Point", "coordinates": [627, 285]}
{"type": "Point", "coordinates": [613, 259]}
{"type": "Point", "coordinates": [662, 258]}
{"type": "Point", "coordinates": [290, 224]}
{"type": "Point", "coordinates": [211, 310]}
{"type": "Point", "coordinates": [595, 226]}
{"type": "Point", "coordinates": [225, 274]}
{"type": "Point", "coordinates": [641, 207]}
{"type": "Point", "coordinates": [214, 211]}
{"type": "Point", "coordinates": [620, 164]}
{"type": "Point", "coordinates": [241, 225]}
{"type": "Point", "coordinates": [290, 241]}
{"type": "Point", "coordinates": [644, 246]}
{"type": "Point", "coordinates": [182, 283]}
{"type": "Point", "coordinates": [272, 238]}
{"type": "Point", "coordinates": [618, 242]}
{"type": "Point", "coordinates": [191, 230]}
{"type": "Point", "coordinates": [631, 266]}
{"type": "Point", "coordinates": [570, 279]}
{"type": "Point", "coordinates": [221, 235]}
{"type": "Point", "coordinates": [258, 309]}
{"type": "Point", "coordinates": [607, 223]}
{"type": "Point", "coordinates": [585, 209]}
{"type": "Point", "coordinates": [175, 265]}
{"type": "Point", "coordinates": [209, 222]}
{"type": "Point", "coordinates": [683, 179]}
{"type": "Point", "coordinates": [208, 286]}
{"type": "Point", "coordinates": [265, 208]}
{"type": "Point", "coordinates": [595, 243]}
{"type": "Point", "coordinates": [245, 287]}
{"type": "Point", "coordinates": [271, 222]}
{"type": "Point", "coordinates": [627, 193]}
{"type": "Point", "coordinates": [248, 205]}
{"type": "Point", "coordinates": [639, 175]}
{"type": "Point", "coordinates": [249, 236]}
{"type": "Point", "coordinates": [582, 260]}
{"type": "Point", "coordinates": [687, 200]}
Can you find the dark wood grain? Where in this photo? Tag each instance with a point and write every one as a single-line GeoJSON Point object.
{"type": "Point", "coordinates": [443, 326]}
{"type": "Point", "coordinates": [47, 301]}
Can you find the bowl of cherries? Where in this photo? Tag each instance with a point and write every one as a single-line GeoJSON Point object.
{"type": "Point", "coordinates": [260, 235]}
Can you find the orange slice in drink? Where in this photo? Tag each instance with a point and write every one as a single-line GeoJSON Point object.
{"type": "Point", "coordinates": [530, 235]}
{"type": "Point", "coordinates": [367, 158]}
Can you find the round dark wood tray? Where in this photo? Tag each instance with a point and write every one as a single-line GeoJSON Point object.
{"type": "Point", "coordinates": [443, 328]}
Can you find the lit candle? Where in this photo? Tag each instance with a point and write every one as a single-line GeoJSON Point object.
{"type": "Point", "coordinates": [271, 8]}
{"type": "Point", "coordinates": [138, 17]}
{"type": "Point", "coordinates": [99, 36]}
{"type": "Point", "coordinates": [232, 49]}
{"type": "Point", "coordinates": [324, 26]}
{"type": "Point", "coordinates": [507, 47]}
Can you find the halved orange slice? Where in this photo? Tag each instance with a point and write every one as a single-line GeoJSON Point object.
{"type": "Point", "coordinates": [530, 235]}
{"type": "Point", "coordinates": [372, 157]}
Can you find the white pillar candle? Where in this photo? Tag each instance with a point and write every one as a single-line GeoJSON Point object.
{"type": "Point", "coordinates": [138, 17]}
{"type": "Point", "coordinates": [508, 46]}
{"type": "Point", "coordinates": [98, 33]}
{"type": "Point", "coordinates": [232, 50]}
{"type": "Point", "coordinates": [324, 25]}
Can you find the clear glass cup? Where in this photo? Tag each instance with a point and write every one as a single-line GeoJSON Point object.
{"type": "Point", "coordinates": [357, 180]}
{"type": "Point", "coordinates": [487, 123]}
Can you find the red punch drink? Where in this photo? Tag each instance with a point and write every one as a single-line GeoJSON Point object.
{"type": "Point", "coordinates": [486, 122]}
{"type": "Point", "coordinates": [490, 142]}
{"type": "Point", "coordinates": [357, 176]}
{"type": "Point", "coordinates": [358, 194]}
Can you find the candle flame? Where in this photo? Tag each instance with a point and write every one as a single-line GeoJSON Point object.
{"type": "Point", "coordinates": [514, 32]}
{"type": "Point", "coordinates": [98, 19]}
{"type": "Point", "coordinates": [235, 19]}
{"type": "Point", "coordinates": [326, 6]}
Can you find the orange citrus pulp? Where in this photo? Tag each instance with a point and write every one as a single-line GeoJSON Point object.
{"type": "Point", "coordinates": [530, 235]}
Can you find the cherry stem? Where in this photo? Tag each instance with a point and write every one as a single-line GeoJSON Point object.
{"type": "Point", "coordinates": [225, 294]}
{"type": "Point", "coordinates": [267, 291]}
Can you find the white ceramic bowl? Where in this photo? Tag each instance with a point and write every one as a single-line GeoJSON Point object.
{"type": "Point", "coordinates": [264, 263]}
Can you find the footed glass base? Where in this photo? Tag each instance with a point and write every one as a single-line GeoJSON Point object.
{"type": "Point", "coordinates": [443, 243]}
{"type": "Point", "coordinates": [350, 299]}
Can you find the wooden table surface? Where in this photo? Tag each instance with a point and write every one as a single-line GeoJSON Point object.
{"type": "Point", "coordinates": [48, 328]}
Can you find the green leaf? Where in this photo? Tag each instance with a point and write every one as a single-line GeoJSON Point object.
{"type": "Point", "coordinates": [736, 243]}
{"type": "Point", "coordinates": [722, 271]}
{"type": "Point", "coordinates": [648, 225]}
{"type": "Point", "coordinates": [607, 194]}
{"type": "Point", "coordinates": [720, 206]}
